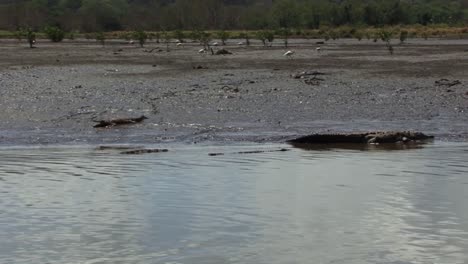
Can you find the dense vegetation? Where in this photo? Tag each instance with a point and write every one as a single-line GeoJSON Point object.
{"type": "Point", "coordinates": [158, 15]}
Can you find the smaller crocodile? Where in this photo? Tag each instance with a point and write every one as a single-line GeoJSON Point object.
{"type": "Point", "coordinates": [119, 121]}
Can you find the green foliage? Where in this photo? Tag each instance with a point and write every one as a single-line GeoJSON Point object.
{"type": "Point", "coordinates": [179, 35]}
{"type": "Point", "coordinates": [286, 13]}
{"type": "Point", "coordinates": [386, 36]}
{"type": "Point", "coordinates": [31, 37]}
{"type": "Point", "coordinates": [117, 15]}
{"type": "Point", "coordinates": [403, 36]}
{"type": "Point", "coordinates": [167, 39]}
{"type": "Point", "coordinates": [196, 35]}
{"type": "Point", "coordinates": [101, 38]}
{"type": "Point", "coordinates": [19, 34]}
{"type": "Point", "coordinates": [141, 36]}
{"type": "Point", "coordinates": [358, 35]}
{"type": "Point", "coordinates": [55, 34]}
{"type": "Point", "coordinates": [265, 35]}
{"type": "Point", "coordinates": [204, 38]}
{"type": "Point", "coordinates": [223, 36]}
{"type": "Point", "coordinates": [71, 35]}
{"type": "Point", "coordinates": [246, 36]}
{"type": "Point", "coordinates": [157, 35]}
{"type": "Point", "coordinates": [285, 33]}
{"type": "Point", "coordinates": [27, 33]}
{"type": "Point", "coordinates": [261, 36]}
{"type": "Point", "coordinates": [334, 34]}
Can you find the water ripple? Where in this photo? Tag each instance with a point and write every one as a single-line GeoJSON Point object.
{"type": "Point", "coordinates": [82, 205]}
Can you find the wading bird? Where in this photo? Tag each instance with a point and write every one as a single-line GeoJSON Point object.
{"type": "Point", "coordinates": [288, 53]}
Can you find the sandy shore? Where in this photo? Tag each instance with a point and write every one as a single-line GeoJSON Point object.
{"type": "Point", "coordinates": [52, 94]}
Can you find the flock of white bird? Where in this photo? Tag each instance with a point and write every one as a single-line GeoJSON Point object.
{"type": "Point", "coordinates": [287, 54]}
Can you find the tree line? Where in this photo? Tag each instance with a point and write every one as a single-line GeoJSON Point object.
{"type": "Point", "coordinates": [157, 15]}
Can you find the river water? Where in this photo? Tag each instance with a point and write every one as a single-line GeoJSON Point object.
{"type": "Point", "coordinates": [82, 205]}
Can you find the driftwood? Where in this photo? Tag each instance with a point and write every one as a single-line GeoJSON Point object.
{"type": "Point", "coordinates": [447, 83]}
{"type": "Point", "coordinates": [305, 74]}
{"type": "Point", "coordinates": [363, 138]}
{"type": "Point", "coordinates": [314, 81]}
{"type": "Point", "coordinates": [120, 121]}
{"type": "Point", "coordinates": [143, 151]}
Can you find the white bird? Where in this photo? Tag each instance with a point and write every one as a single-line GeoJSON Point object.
{"type": "Point", "coordinates": [318, 49]}
{"type": "Point", "coordinates": [215, 44]}
{"type": "Point", "coordinates": [202, 50]}
{"type": "Point", "coordinates": [131, 42]}
{"type": "Point", "coordinates": [179, 44]}
{"type": "Point", "coordinates": [288, 53]}
{"type": "Point", "coordinates": [240, 43]}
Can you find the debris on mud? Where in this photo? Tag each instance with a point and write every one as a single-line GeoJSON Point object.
{"type": "Point", "coordinates": [305, 74]}
{"type": "Point", "coordinates": [120, 121]}
{"type": "Point", "coordinates": [143, 151]}
{"type": "Point", "coordinates": [315, 81]}
{"type": "Point", "coordinates": [447, 82]}
{"type": "Point", "coordinates": [310, 77]}
{"type": "Point", "coordinates": [199, 67]}
{"type": "Point", "coordinates": [154, 49]}
{"type": "Point", "coordinates": [250, 152]}
{"type": "Point", "coordinates": [363, 138]}
{"type": "Point", "coordinates": [223, 52]}
{"type": "Point", "coordinates": [231, 89]}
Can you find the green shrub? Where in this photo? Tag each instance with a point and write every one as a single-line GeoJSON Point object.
{"type": "Point", "coordinates": [179, 35]}
{"type": "Point", "coordinates": [358, 35]}
{"type": "Point", "coordinates": [205, 38]}
{"type": "Point", "coordinates": [403, 36]}
{"type": "Point", "coordinates": [19, 34]}
{"type": "Point", "coordinates": [101, 37]}
{"type": "Point", "coordinates": [246, 36]}
{"type": "Point", "coordinates": [27, 33]}
{"type": "Point", "coordinates": [167, 39]}
{"type": "Point", "coordinates": [141, 36]}
{"type": "Point", "coordinates": [285, 33]}
{"type": "Point", "coordinates": [31, 37]}
{"type": "Point", "coordinates": [55, 34]}
{"type": "Point", "coordinates": [223, 36]}
{"type": "Point", "coordinates": [261, 36]}
{"type": "Point", "coordinates": [386, 36]}
{"type": "Point", "coordinates": [71, 35]}
{"type": "Point", "coordinates": [264, 36]}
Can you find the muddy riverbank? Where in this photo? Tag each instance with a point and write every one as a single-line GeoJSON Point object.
{"type": "Point", "coordinates": [53, 94]}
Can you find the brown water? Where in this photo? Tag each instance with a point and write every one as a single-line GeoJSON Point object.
{"type": "Point", "coordinates": [80, 205]}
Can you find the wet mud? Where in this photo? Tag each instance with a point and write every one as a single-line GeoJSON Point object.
{"type": "Point", "coordinates": [54, 93]}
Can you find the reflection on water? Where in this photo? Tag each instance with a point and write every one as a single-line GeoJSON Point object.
{"type": "Point", "coordinates": [363, 147]}
{"type": "Point", "coordinates": [314, 206]}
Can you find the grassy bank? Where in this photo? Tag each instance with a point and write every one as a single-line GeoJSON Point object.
{"type": "Point", "coordinates": [326, 33]}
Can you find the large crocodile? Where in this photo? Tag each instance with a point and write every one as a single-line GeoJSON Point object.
{"type": "Point", "coordinates": [363, 138]}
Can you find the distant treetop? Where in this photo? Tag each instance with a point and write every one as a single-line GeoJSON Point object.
{"type": "Point", "coordinates": [110, 15]}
